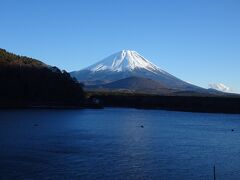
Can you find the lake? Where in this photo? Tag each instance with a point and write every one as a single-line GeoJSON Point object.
{"type": "Point", "coordinates": [118, 144]}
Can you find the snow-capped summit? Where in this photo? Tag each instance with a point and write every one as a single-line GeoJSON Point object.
{"type": "Point", "coordinates": [125, 60]}
{"type": "Point", "coordinates": [127, 63]}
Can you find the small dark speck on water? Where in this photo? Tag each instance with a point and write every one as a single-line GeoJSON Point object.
{"type": "Point", "coordinates": [137, 144]}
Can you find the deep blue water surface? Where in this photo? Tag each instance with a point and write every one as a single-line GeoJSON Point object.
{"type": "Point", "coordinates": [111, 144]}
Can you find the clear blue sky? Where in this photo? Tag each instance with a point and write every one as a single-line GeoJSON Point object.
{"type": "Point", "coordinates": [195, 40]}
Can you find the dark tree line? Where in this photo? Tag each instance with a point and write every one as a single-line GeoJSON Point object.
{"type": "Point", "coordinates": [220, 104]}
{"type": "Point", "coordinates": [26, 80]}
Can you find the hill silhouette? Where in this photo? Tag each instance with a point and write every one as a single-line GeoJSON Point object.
{"type": "Point", "coordinates": [133, 84]}
{"type": "Point", "coordinates": [26, 81]}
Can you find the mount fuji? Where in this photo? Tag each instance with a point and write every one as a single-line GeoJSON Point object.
{"type": "Point", "coordinates": [125, 64]}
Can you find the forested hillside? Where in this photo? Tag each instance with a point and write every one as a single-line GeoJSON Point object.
{"type": "Point", "coordinates": [24, 80]}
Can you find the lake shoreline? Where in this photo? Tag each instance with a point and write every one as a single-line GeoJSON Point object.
{"type": "Point", "coordinates": [214, 104]}
{"type": "Point", "coordinates": [226, 105]}
{"type": "Point", "coordinates": [85, 105]}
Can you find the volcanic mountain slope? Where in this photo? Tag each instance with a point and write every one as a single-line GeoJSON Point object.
{"type": "Point", "coordinates": [141, 85]}
{"type": "Point", "coordinates": [133, 84]}
{"type": "Point", "coordinates": [126, 64]}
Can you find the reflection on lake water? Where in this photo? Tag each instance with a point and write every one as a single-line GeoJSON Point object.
{"type": "Point", "coordinates": [118, 144]}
